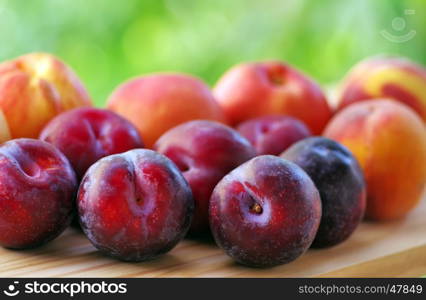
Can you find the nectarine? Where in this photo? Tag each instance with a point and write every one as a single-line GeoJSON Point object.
{"type": "Point", "coordinates": [251, 90]}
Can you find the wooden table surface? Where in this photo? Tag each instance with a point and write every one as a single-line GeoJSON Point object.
{"type": "Point", "coordinates": [392, 249]}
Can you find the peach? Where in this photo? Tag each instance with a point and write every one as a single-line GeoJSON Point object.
{"type": "Point", "coordinates": [256, 89]}
{"type": "Point", "coordinates": [155, 103]}
{"type": "Point", "coordinates": [34, 88]}
{"type": "Point", "coordinates": [389, 141]}
{"type": "Point", "coordinates": [4, 128]}
{"type": "Point", "coordinates": [395, 78]}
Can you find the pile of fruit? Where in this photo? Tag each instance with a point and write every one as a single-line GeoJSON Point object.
{"type": "Point", "coordinates": [263, 162]}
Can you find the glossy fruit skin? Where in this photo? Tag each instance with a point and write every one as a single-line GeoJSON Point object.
{"type": "Point", "coordinates": [155, 103]}
{"type": "Point", "coordinates": [255, 89]}
{"type": "Point", "coordinates": [37, 190]}
{"type": "Point", "coordinates": [340, 181]}
{"type": "Point", "coordinates": [135, 205]}
{"type": "Point", "coordinates": [205, 151]}
{"type": "Point", "coordinates": [87, 134]}
{"type": "Point", "coordinates": [266, 212]}
{"type": "Point", "coordinates": [273, 134]}
{"type": "Point", "coordinates": [389, 141]}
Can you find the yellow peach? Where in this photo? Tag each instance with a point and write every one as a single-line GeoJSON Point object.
{"type": "Point", "coordinates": [34, 88]}
{"type": "Point", "coordinates": [4, 128]}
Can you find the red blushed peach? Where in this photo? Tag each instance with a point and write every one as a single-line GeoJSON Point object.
{"type": "Point", "coordinates": [251, 90]}
{"type": "Point", "coordinates": [389, 141]}
{"type": "Point", "coordinates": [158, 102]}
{"type": "Point", "coordinates": [34, 88]}
{"type": "Point", "coordinates": [386, 77]}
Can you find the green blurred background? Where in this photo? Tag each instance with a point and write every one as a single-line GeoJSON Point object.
{"type": "Point", "coordinates": [107, 42]}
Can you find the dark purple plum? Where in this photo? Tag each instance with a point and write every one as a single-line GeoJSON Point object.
{"type": "Point", "coordinates": [340, 181]}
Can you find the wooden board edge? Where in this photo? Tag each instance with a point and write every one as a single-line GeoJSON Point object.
{"type": "Point", "coordinates": [407, 263]}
